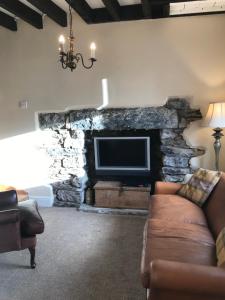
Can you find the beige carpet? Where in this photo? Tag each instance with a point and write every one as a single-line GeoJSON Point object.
{"type": "Point", "coordinates": [81, 256]}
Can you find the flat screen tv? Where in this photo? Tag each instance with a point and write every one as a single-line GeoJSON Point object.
{"type": "Point", "coordinates": [122, 155]}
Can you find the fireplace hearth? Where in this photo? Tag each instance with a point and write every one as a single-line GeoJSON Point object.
{"type": "Point", "coordinates": [69, 144]}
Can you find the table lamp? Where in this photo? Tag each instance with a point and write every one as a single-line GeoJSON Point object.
{"type": "Point", "coordinates": [215, 118]}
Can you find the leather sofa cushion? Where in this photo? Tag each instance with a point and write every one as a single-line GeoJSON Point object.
{"type": "Point", "coordinates": [215, 207]}
{"type": "Point", "coordinates": [176, 241]}
{"type": "Point", "coordinates": [31, 220]}
{"type": "Point", "coordinates": [174, 207]}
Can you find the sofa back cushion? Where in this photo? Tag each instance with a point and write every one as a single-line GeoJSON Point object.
{"type": "Point", "coordinates": [214, 208]}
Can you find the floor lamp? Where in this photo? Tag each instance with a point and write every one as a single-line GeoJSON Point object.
{"type": "Point", "coordinates": [215, 118]}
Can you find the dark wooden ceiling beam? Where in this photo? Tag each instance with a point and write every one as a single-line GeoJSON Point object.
{"type": "Point", "coordinates": [127, 13]}
{"type": "Point", "coordinates": [146, 6]}
{"type": "Point", "coordinates": [7, 21]}
{"type": "Point", "coordinates": [160, 11]}
{"type": "Point", "coordinates": [82, 8]}
{"type": "Point", "coordinates": [23, 11]}
{"type": "Point", "coordinates": [113, 8]}
{"type": "Point", "coordinates": [52, 10]}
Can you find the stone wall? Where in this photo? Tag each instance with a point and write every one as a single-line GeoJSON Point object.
{"type": "Point", "coordinates": [65, 142]}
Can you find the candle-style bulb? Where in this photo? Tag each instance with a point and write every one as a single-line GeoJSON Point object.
{"type": "Point", "coordinates": [93, 49]}
{"type": "Point", "coordinates": [62, 39]}
{"type": "Point", "coordinates": [61, 42]}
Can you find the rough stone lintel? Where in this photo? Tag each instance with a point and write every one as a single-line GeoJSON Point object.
{"type": "Point", "coordinates": [124, 118]}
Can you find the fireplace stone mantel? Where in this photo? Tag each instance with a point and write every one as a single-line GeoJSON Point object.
{"type": "Point", "coordinates": [65, 142]}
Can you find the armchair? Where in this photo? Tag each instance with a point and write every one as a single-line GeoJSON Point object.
{"type": "Point", "coordinates": [19, 224]}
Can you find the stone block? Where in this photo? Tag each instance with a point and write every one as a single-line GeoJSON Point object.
{"type": "Point", "coordinates": [191, 114]}
{"type": "Point", "coordinates": [177, 103]}
{"type": "Point", "coordinates": [52, 120]}
{"type": "Point", "coordinates": [174, 178]}
{"type": "Point", "coordinates": [62, 185]}
{"type": "Point", "coordinates": [77, 134]}
{"type": "Point", "coordinates": [124, 119]}
{"type": "Point", "coordinates": [74, 143]}
{"type": "Point", "coordinates": [176, 171]}
{"type": "Point", "coordinates": [81, 119]}
{"type": "Point", "coordinates": [182, 152]}
{"type": "Point", "coordinates": [178, 141]}
{"type": "Point", "coordinates": [167, 134]}
{"type": "Point", "coordinates": [73, 162]}
{"type": "Point", "coordinates": [68, 198]}
{"type": "Point", "coordinates": [176, 161]}
{"type": "Point", "coordinates": [55, 163]}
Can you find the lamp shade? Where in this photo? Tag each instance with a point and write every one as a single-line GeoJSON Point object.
{"type": "Point", "coordinates": [215, 116]}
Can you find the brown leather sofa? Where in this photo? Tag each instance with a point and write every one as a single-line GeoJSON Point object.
{"type": "Point", "coordinates": [19, 224]}
{"type": "Point", "coordinates": [179, 254]}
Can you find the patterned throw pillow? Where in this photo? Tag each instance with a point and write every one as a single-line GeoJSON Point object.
{"type": "Point", "coordinates": [220, 248]}
{"type": "Point", "coordinates": [200, 185]}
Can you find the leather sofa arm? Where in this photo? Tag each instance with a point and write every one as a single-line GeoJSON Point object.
{"type": "Point", "coordinates": [9, 216]}
{"type": "Point", "coordinates": [168, 188]}
{"type": "Point", "coordinates": [188, 279]}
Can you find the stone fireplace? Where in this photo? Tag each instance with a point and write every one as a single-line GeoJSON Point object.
{"type": "Point", "coordinates": [69, 143]}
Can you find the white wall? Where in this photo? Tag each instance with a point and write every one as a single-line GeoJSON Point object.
{"type": "Point", "coordinates": [144, 62]}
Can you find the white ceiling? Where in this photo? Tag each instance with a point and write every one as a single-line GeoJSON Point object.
{"type": "Point", "coordinates": [185, 8]}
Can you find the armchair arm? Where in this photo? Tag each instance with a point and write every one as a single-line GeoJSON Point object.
{"type": "Point", "coordinates": [31, 220]}
{"type": "Point", "coordinates": [9, 216]}
{"type": "Point", "coordinates": [200, 282]}
{"type": "Point", "coordinates": [169, 188]}
{"type": "Point", "coordinates": [8, 199]}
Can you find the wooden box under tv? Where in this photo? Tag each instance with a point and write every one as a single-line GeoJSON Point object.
{"type": "Point", "coordinates": [113, 194]}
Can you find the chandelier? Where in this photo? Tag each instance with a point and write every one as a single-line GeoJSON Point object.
{"type": "Point", "coordinates": [68, 58]}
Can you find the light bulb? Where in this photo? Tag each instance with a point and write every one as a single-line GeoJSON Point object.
{"type": "Point", "coordinates": [93, 49]}
{"type": "Point", "coordinates": [62, 39]}
{"type": "Point", "coordinates": [61, 43]}
{"type": "Point", "coordinates": [93, 46]}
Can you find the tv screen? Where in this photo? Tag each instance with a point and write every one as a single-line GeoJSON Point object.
{"type": "Point", "coordinates": [122, 153]}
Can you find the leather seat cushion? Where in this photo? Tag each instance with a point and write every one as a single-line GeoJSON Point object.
{"type": "Point", "coordinates": [176, 241]}
{"type": "Point", "coordinates": [174, 207]}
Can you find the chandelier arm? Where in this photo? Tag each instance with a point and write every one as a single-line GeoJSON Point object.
{"type": "Point", "coordinates": [72, 66]}
{"type": "Point", "coordinates": [64, 65]}
{"type": "Point", "coordinates": [63, 60]}
{"type": "Point", "coordinates": [80, 56]}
